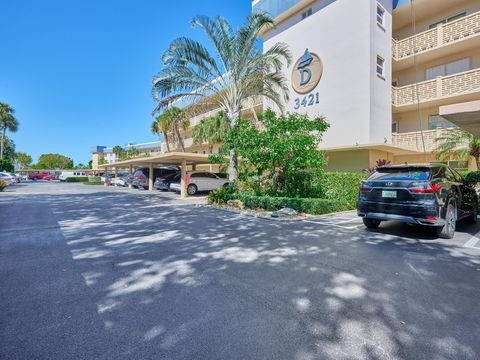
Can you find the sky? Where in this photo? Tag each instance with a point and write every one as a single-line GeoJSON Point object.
{"type": "Point", "coordinates": [79, 72]}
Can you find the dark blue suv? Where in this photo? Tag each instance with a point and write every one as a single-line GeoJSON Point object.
{"type": "Point", "coordinates": [431, 194]}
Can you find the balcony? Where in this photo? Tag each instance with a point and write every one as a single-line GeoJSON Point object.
{"type": "Point", "coordinates": [433, 43]}
{"type": "Point", "coordinates": [413, 140]}
{"type": "Point", "coordinates": [463, 86]}
{"type": "Point", "coordinates": [247, 105]}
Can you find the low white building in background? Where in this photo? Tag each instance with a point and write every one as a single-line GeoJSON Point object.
{"type": "Point", "coordinates": [107, 154]}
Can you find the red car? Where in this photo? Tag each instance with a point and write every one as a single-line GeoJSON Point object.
{"type": "Point", "coordinates": [41, 176]}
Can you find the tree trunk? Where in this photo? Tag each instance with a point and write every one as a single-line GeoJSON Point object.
{"type": "Point", "coordinates": [233, 117]}
{"type": "Point", "coordinates": [165, 136]}
{"type": "Point", "coordinates": [4, 130]}
{"type": "Point", "coordinates": [477, 160]}
{"type": "Point", "coordinates": [180, 141]}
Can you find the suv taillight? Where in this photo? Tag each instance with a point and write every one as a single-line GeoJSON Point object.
{"type": "Point", "coordinates": [425, 189]}
{"type": "Point", "coordinates": [365, 188]}
{"type": "Point", "coordinates": [140, 177]}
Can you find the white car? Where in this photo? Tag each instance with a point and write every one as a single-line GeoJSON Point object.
{"type": "Point", "coordinates": [200, 181]}
{"type": "Point", "coordinates": [119, 181]}
{"type": "Point", "coordinates": [9, 179]}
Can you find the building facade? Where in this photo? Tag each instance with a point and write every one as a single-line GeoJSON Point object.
{"type": "Point", "coordinates": [386, 69]}
{"type": "Point", "coordinates": [380, 71]}
{"type": "Point", "coordinates": [104, 154]}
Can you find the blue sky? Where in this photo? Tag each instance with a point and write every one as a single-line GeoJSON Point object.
{"type": "Point", "coordinates": [79, 72]}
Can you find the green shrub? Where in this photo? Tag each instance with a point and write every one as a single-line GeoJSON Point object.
{"type": "Point", "coordinates": [94, 179]}
{"type": "Point", "coordinates": [93, 183]}
{"type": "Point", "coordinates": [221, 196]}
{"type": "Point", "coordinates": [6, 165]}
{"type": "Point", "coordinates": [3, 185]}
{"type": "Point", "coordinates": [304, 205]}
{"type": "Point", "coordinates": [340, 186]}
{"type": "Point", "coordinates": [473, 176]}
{"type": "Point", "coordinates": [76, 179]}
{"type": "Point", "coordinates": [254, 185]}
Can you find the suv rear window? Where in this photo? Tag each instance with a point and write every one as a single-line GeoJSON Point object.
{"type": "Point", "coordinates": [401, 174]}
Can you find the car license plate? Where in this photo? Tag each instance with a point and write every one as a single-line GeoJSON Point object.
{"type": "Point", "coordinates": [389, 194]}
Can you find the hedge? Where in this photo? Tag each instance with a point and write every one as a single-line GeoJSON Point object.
{"type": "Point", "coordinates": [473, 176]}
{"type": "Point", "coordinates": [93, 183]}
{"type": "Point", "coordinates": [76, 179]}
{"type": "Point", "coordinates": [304, 205]}
{"type": "Point", "coordinates": [340, 186]}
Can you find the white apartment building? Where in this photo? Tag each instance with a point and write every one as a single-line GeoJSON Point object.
{"type": "Point", "coordinates": [381, 72]}
{"type": "Point", "coordinates": [390, 76]}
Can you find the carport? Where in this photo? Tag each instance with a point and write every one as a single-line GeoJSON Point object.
{"type": "Point", "coordinates": [173, 158]}
{"type": "Point", "coordinates": [465, 115]}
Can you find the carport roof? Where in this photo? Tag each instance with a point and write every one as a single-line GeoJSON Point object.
{"type": "Point", "coordinates": [172, 158]}
{"type": "Point", "coordinates": [465, 115]}
{"type": "Point", "coordinates": [395, 150]}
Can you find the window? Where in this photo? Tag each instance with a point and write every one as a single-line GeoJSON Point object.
{"type": "Point", "coordinates": [450, 68]}
{"type": "Point", "coordinates": [209, 175]}
{"type": "Point", "coordinates": [401, 174]}
{"type": "Point", "coordinates": [380, 16]}
{"type": "Point", "coordinates": [447, 20]}
{"type": "Point", "coordinates": [394, 127]}
{"type": "Point", "coordinates": [380, 66]}
{"type": "Point", "coordinates": [438, 122]}
{"type": "Point", "coordinates": [306, 13]}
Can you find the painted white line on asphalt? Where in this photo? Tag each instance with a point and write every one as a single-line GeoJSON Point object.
{"type": "Point", "coordinates": [472, 242]}
{"type": "Point", "coordinates": [332, 224]}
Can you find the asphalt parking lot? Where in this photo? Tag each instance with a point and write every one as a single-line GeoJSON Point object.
{"type": "Point", "coordinates": [90, 272]}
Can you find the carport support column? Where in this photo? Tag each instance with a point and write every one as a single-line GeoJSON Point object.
{"type": "Point", "coordinates": [150, 177]}
{"type": "Point", "coordinates": [183, 182]}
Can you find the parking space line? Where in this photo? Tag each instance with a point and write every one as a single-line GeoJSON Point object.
{"type": "Point", "coordinates": [326, 223]}
{"type": "Point", "coordinates": [472, 242]}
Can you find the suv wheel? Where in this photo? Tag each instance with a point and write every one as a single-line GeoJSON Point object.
{"type": "Point", "coordinates": [192, 189]}
{"type": "Point", "coordinates": [448, 230]}
{"type": "Point", "coordinates": [371, 223]}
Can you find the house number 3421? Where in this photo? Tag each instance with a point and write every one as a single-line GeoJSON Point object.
{"type": "Point", "coordinates": [307, 100]}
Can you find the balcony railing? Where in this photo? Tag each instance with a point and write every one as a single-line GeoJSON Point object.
{"type": "Point", "coordinates": [413, 140]}
{"type": "Point", "coordinates": [441, 35]}
{"type": "Point", "coordinates": [246, 105]}
{"type": "Point", "coordinates": [445, 86]}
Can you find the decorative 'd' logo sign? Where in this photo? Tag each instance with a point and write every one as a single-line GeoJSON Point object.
{"type": "Point", "coordinates": [307, 73]}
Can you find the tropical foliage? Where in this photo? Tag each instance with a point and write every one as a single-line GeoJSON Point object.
{"type": "Point", "coordinates": [23, 160]}
{"type": "Point", "coordinates": [6, 165]}
{"type": "Point", "coordinates": [132, 152]}
{"type": "Point", "coordinates": [283, 148]}
{"type": "Point", "coordinates": [119, 151]}
{"type": "Point", "coordinates": [54, 161]}
{"type": "Point", "coordinates": [7, 122]}
{"type": "Point", "coordinates": [378, 163]}
{"type": "Point", "coordinates": [211, 130]}
{"type": "Point", "coordinates": [458, 144]}
{"type": "Point", "coordinates": [170, 123]}
{"type": "Point", "coordinates": [234, 72]}
{"type": "Point", "coordinates": [8, 148]}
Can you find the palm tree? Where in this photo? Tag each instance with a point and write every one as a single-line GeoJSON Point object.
{"type": "Point", "coordinates": [236, 71]}
{"type": "Point", "coordinates": [211, 130]}
{"type": "Point", "coordinates": [162, 125]}
{"type": "Point", "coordinates": [119, 151]}
{"type": "Point", "coordinates": [7, 122]}
{"type": "Point", "coordinates": [452, 143]}
{"type": "Point", "coordinates": [178, 120]}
